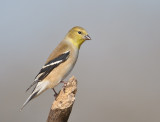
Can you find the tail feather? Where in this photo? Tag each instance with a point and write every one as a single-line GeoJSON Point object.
{"type": "Point", "coordinates": [32, 85]}
{"type": "Point", "coordinates": [41, 87]}
{"type": "Point", "coordinates": [34, 94]}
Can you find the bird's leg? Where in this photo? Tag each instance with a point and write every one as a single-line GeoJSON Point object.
{"type": "Point", "coordinates": [55, 93]}
{"type": "Point", "coordinates": [65, 83]}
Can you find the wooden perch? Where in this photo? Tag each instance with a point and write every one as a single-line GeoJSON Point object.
{"type": "Point", "coordinates": [62, 105]}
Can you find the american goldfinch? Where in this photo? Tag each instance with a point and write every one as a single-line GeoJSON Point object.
{"type": "Point", "coordinates": [60, 62]}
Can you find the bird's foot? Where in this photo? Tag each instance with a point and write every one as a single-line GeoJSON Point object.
{"type": "Point", "coordinates": [65, 83]}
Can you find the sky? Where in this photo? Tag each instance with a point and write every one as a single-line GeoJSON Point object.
{"type": "Point", "coordinates": [117, 71]}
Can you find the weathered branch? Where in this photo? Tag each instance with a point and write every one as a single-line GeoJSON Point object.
{"type": "Point", "coordinates": [62, 105]}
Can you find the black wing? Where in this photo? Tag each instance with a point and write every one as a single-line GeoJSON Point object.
{"type": "Point", "coordinates": [48, 67]}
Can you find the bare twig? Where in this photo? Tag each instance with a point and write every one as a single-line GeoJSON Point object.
{"type": "Point", "coordinates": [62, 105]}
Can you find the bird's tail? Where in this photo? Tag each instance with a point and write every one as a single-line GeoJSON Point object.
{"type": "Point", "coordinates": [41, 87]}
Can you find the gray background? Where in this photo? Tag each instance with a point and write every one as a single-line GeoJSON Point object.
{"type": "Point", "coordinates": [118, 71]}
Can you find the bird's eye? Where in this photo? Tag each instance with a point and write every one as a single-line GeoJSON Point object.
{"type": "Point", "coordinates": [79, 32]}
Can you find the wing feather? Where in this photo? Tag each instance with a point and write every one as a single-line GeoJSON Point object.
{"type": "Point", "coordinates": [48, 67]}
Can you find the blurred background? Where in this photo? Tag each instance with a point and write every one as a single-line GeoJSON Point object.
{"type": "Point", "coordinates": [118, 71]}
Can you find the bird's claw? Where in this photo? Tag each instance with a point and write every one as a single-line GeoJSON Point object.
{"type": "Point", "coordinates": [65, 83]}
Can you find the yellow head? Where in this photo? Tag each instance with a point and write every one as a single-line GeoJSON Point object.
{"type": "Point", "coordinates": [77, 35]}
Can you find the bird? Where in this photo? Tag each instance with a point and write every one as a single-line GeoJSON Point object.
{"type": "Point", "coordinates": [59, 63]}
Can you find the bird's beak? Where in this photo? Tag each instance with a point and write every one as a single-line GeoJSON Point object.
{"type": "Point", "coordinates": [87, 37]}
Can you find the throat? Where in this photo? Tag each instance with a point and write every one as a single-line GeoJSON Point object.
{"type": "Point", "coordinates": [77, 43]}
